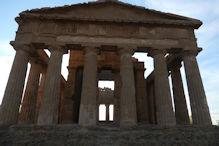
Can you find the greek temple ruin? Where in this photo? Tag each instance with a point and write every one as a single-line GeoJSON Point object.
{"type": "Point", "coordinates": [101, 38]}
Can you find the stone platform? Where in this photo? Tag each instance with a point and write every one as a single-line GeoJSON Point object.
{"type": "Point", "coordinates": [74, 135]}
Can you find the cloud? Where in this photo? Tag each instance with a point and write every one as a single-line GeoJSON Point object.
{"type": "Point", "coordinates": [207, 35]}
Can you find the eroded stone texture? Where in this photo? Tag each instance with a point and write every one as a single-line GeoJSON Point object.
{"type": "Point", "coordinates": [14, 89]}
{"type": "Point", "coordinates": [88, 109]}
{"type": "Point", "coordinates": [109, 26]}
{"type": "Point", "coordinates": [40, 94]}
{"type": "Point", "coordinates": [128, 114]}
{"type": "Point", "coordinates": [164, 109]}
{"type": "Point", "coordinates": [141, 95]}
{"type": "Point", "coordinates": [74, 135]}
{"type": "Point", "coordinates": [68, 103]}
{"type": "Point", "coordinates": [151, 102]}
{"type": "Point", "coordinates": [49, 107]}
{"type": "Point", "coordinates": [181, 111]}
{"type": "Point", "coordinates": [28, 109]}
{"type": "Point", "coordinates": [199, 106]}
{"type": "Point", "coordinates": [117, 89]}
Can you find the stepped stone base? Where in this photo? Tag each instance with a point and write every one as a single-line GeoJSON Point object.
{"type": "Point", "coordinates": [74, 135]}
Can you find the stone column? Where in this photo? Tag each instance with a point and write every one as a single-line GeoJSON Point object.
{"type": "Point", "coordinates": [14, 89]}
{"type": "Point", "coordinates": [117, 86]}
{"type": "Point", "coordinates": [40, 93]}
{"type": "Point", "coordinates": [107, 112]}
{"type": "Point", "coordinates": [28, 109]}
{"type": "Point", "coordinates": [199, 106]}
{"type": "Point", "coordinates": [164, 109]}
{"type": "Point", "coordinates": [151, 101]}
{"type": "Point", "coordinates": [49, 108]}
{"type": "Point", "coordinates": [88, 114]}
{"type": "Point", "coordinates": [68, 104]}
{"type": "Point", "coordinates": [141, 95]}
{"type": "Point", "coordinates": [181, 111]}
{"type": "Point", "coordinates": [128, 114]}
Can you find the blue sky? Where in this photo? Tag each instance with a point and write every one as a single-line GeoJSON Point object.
{"type": "Point", "coordinates": [208, 37]}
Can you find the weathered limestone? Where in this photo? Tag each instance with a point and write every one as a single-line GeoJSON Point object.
{"type": "Point", "coordinates": [199, 106]}
{"type": "Point", "coordinates": [40, 94]}
{"type": "Point", "coordinates": [181, 111]}
{"type": "Point", "coordinates": [117, 88]}
{"type": "Point", "coordinates": [141, 96]}
{"type": "Point", "coordinates": [151, 101]}
{"type": "Point", "coordinates": [68, 106]}
{"type": "Point", "coordinates": [14, 89]}
{"type": "Point", "coordinates": [49, 107]}
{"type": "Point", "coordinates": [109, 26]}
{"type": "Point", "coordinates": [28, 109]}
{"type": "Point", "coordinates": [77, 95]}
{"type": "Point", "coordinates": [164, 109]}
{"type": "Point", "coordinates": [128, 114]}
{"type": "Point", "coordinates": [88, 115]}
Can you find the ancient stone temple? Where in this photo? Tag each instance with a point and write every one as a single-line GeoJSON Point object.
{"type": "Point", "coordinates": [101, 38]}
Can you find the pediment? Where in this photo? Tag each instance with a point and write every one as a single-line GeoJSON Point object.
{"type": "Point", "coordinates": [111, 11]}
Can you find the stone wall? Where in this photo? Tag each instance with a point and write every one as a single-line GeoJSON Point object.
{"type": "Point", "coordinates": [60, 135]}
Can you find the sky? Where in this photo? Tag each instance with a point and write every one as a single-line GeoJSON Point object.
{"type": "Point", "coordinates": [207, 36]}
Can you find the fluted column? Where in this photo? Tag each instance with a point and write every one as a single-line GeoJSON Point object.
{"type": "Point", "coordinates": [128, 114]}
{"type": "Point", "coordinates": [28, 109]}
{"type": "Point", "coordinates": [141, 96]}
{"type": "Point", "coordinates": [199, 106]}
{"type": "Point", "coordinates": [88, 114]}
{"type": "Point", "coordinates": [49, 108]}
{"type": "Point", "coordinates": [181, 111]}
{"type": "Point", "coordinates": [151, 101]}
{"type": "Point", "coordinates": [164, 109]}
{"type": "Point", "coordinates": [117, 86]}
{"type": "Point", "coordinates": [40, 93]}
{"type": "Point", "coordinates": [14, 89]}
{"type": "Point", "coordinates": [68, 103]}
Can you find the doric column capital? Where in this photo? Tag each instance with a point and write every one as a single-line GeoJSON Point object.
{"type": "Point", "coordinates": [190, 52]}
{"type": "Point", "coordinates": [154, 52]}
{"type": "Point", "coordinates": [175, 66]}
{"type": "Point", "coordinates": [90, 50]}
{"type": "Point", "coordinates": [126, 50]}
{"type": "Point", "coordinates": [38, 61]}
{"type": "Point", "coordinates": [25, 47]}
{"type": "Point", "coordinates": [58, 47]}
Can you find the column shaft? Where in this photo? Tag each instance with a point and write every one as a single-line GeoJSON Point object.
{"type": "Point", "coordinates": [77, 95]}
{"type": "Point", "coordinates": [14, 89]}
{"type": "Point", "coordinates": [117, 86]}
{"type": "Point", "coordinates": [151, 100]}
{"type": "Point", "coordinates": [199, 106]}
{"type": "Point", "coordinates": [28, 109]}
{"type": "Point", "coordinates": [164, 109]}
{"type": "Point", "coordinates": [107, 112]}
{"type": "Point", "coordinates": [49, 108]}
{"type": "Point", "coordinates": [88, 114]}
{"type": "Point", "coordinates": [141, 97]}
{"type": "Point", "coordinates": [128, 114]}
{"type": "Point", "coordinates": [181, 111]}
{"type": "Point", "coordinates": [40, 94]}
{"type": "Point", "coordinates": [68, 104]}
